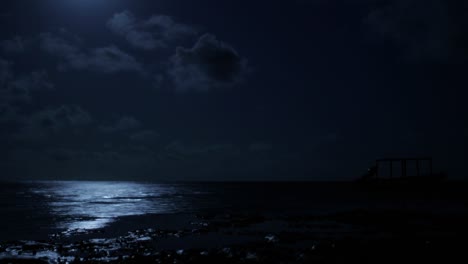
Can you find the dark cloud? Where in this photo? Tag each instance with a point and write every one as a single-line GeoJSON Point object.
{"type": "Point", "coordinates": [6, 72]}
{"type": "Point", "coordinates": [145, 136]}
{"type": "Point", "coordinates": [156, 32]}
{"type": "Point", "coordinates": [424, 30]}
{"type": "Point", "coordinates": [108, 59]}
{"type": "Point", "coordinates": [15, 94]}
{"type": "Point", "coordinates": [50, 123]}
{"type": "Point", "coordinates": [68, 139]}
{"type": "Point", "coordinates": [179, 150]}
{"type": "Point", "coordinates": [209, 64]}
{"type": "Point", "coordinates": [14, 45]}
{"type": "Point", "coordinates": [66, 155]}
{"type": "Point", "coordinates": [37, 80]}
{"type": "Point", "coordinates": [111, 60]}
{"type": "Point", "coordinates": [59, 46]}
{"type": "Point", "coordinates": [81, 164]}
{"type": "Point", "coordinates": [124, 124]}
{"type": "Point", "coordinates": [17, 90]}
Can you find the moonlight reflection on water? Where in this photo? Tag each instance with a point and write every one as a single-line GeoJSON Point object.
{"type": "Point", "coordinates": [93, 205]}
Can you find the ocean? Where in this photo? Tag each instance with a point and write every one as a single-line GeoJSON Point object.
{"type": "Point", "coordinates": [35, 210]}
{"type": "Point", "coordinates": [56, 221]}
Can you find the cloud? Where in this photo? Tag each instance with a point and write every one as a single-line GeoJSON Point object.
{"type": "Point", "coordinates": [68, 141]}
{"type": "Point", "coordinates": [156, 32]}
{"type": "Point", "coordinates": [80, 164]}
{"type": "Point", "coordinates": [209, 64]}
{"type": "Point", "coordinates": [145, 136]}
{"type": "Point", "coordinates": [36, 80]}
{"type": "Point", "coordinates": [423, 30]}
{"type": "Point", "coordinates": [177, 150]}
{"type": "Point", "coordinates": [111, 60]}
{"type": "Point", "coordinates": [15, 95]}
{"type": "Point", "coordinates": [124, 124]}
{"type": "Point", "coordinates": [10, 93]}
{"type": "Point", "coordinates": [68, 155]}
{"type": "Point", "coordinates": [14, 45]}
{"type": "Point", "coordinates": [5, 72]}
{"type": "Point", "coordinates": [108, 59]}
{"type": "Point", "coordinates": [17, 90]}
{"type": "Point", "coordinates": [52, 122]}
{"type": "Point", "coordinates": [59, 45]}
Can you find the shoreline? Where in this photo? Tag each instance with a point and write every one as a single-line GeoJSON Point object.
{"type": "Point", "coordinates": [239, 237]}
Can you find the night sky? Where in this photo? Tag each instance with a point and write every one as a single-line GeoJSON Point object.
{"type": "Point", "coordinates": [230, 90]}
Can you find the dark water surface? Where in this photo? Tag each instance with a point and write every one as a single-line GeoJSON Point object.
{"type": "Point", "coordinates": [35, 210]}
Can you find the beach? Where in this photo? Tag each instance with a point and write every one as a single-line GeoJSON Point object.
{"type": "Point", "coordinates": [418, 227]}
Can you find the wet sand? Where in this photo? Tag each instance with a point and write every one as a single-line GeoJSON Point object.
{"type": "Point", "coordinates": [360, 236]}
{"type": "Point", "coordinates": [253, 224]}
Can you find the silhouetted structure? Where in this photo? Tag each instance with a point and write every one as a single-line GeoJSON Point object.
{"type": "Point", "coordinates": [377, 174]}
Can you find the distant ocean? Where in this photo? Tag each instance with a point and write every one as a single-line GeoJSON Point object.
{"type": "Point", "coordinates": [36, 210]}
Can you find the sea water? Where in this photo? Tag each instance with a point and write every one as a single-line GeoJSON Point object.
{"type": "Point", "coordinates": [36, 210]}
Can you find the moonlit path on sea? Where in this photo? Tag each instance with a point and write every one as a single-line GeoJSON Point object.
{"type": "Point", "coordinates": [93, 205]}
